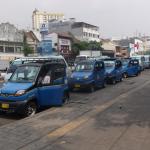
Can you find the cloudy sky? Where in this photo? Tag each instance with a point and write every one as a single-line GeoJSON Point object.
{"type": "Point", "coordinates": [116, 18]}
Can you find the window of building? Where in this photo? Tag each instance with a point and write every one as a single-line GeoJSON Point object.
{"type": "Point", "coordinates": [18, 49]}
{"type": "Point", "coordinates": [1, 48]}
{"type": "Point", "coordinates": [9, 49]}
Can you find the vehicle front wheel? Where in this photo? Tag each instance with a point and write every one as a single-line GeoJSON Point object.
{"type": "Point", "coordinates": [92, 88]}
{"type": "Point", "coordinates": [30, 109]}
{"type": "Point", "coordinates": [66, 97]}
{"type": "Point", "coordinates": [113, 81]}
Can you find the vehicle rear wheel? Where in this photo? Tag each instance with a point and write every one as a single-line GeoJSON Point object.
{"type": "Point", "coordinates": [121, 79]}
{"type": "Point", "coordinates": [104, 84]}
{"type": "Point", "coordinates": [137, 74]}
{"type": "Point", "coordinates": [125, 75]}
{"type": "Point", "coordinates": [30, 109]}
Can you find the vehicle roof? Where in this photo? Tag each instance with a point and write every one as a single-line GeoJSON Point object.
{"type": "Point", "coordinates": [110, 59]}
{"type": "Point", "coordinates": [40, 57]}
{"type": "Point", "coordinates": [82, 56]}
{"type": "Point", "coordinates": [42, 64]}
{"type": "Point", "coordinates": [90, 61]}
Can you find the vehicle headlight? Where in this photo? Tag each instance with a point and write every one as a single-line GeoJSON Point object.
{"type": "Point", "coordinates": [20, 92]}
{"type": "Point", "coordinates": [86, 77]}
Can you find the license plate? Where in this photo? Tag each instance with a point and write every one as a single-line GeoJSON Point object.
{"type": "Point", "coordinates": [5, 106]}
{"type": "Point", "coordinates": [77, 85]}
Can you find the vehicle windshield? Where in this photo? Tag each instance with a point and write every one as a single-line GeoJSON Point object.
{"type": "Point", "coordinates": [81, 58]}
{"type": "Point", "coordinates": [125, 62]}
{"type": "Point", "coordinates": [109, 64]}
{"type": "Point", "coordinates": [25, 74]}
{"type": "Point", "coordinates": [16, 62]}
{"type": "Point", "coordinates": [84, 67]}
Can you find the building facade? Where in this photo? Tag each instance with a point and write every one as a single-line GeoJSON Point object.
{"type": "Point", "coordinates": [80, 30]}
{"type": "Point", "coordinates": [40, 17]}
{"type": "Point", "coordinates": [31, 40]}
{"type": "Point", "coordinates": [11, 40]}
{"type": "Point", "coordinates": [61, 42]}
{"type": "Point", "coordinates": [109, 48]}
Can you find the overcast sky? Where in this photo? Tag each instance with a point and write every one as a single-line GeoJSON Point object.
{"type": "Point", "coordinates": [116, 18]}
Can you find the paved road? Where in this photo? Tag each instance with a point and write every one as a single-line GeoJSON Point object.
{"type": "Point", "coordinates": [115, 118]}
{"type": "Point", "coordinates": [83, 97]}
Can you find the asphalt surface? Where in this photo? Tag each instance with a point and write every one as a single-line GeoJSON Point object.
{"type": "Point", "coordinates": [114, 118]}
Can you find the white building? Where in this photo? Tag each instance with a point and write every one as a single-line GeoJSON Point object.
{"type": "Point", "coordinates": [80, 30]}
{"type": "Point", "coordinates": [40, 17]}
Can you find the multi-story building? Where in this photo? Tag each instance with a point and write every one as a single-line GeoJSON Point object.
{"type": "Point", "coordinates": [31, 40]}
{"type": "Point", "coordinates": [12, 41]}
{"type": "Point", "coordinates": [109, 48]}
{"type": "Point", "coordinates": [146, 43]}
{"type": "Point", "coordinates": [40, 17]}
{"type": "Point", "coordinates": [80, 30]}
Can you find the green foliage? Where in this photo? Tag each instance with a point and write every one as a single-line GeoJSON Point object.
{"type": "Point", "coordinates": [147, 53]}
{"type": "Point", "coordinates": [26, 49]}
{"type": "Point", "coordinates": [82, 45]}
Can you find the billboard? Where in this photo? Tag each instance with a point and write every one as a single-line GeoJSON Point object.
{"type": "Point", "coordinates": [136, 47]}
{"type": "Point", "coordinates": [44, 28]}
{"type": "Point", "coordinates": [45, 47]}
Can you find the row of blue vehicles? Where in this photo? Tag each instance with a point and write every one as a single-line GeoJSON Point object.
{"type": "Point", "coordinates": [91, 74]}
{"type": "Point", "coordinates": [43, 82]}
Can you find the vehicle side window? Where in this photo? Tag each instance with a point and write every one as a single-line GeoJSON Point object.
{"type": "Point", "coordinates": [101, 65]}
{"type": "Point", "coordinates": [135, 62]}
{"type": "Point", "coordinates": [58, 76]}
{"type": "Point", "coordinates": [45, 76]}
{"type": "Point", "coordinates": [118, 64]}
{"type": "Point", "coordinates": [131, 63]}
{"type": "Point", "coordinates": [97, 66]}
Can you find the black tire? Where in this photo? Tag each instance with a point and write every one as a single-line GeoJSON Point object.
{"type": "Point", "coordinates": [92, 88]}
{"type": "Point", "coordinates": [137, 74]}
{"type": "Point", "coordinates": [113, 81]}
{"type": "Point", "coordinates": [3, 112]}
{"type": "Point", "coordinates": [66, 97]}
{"type": "Point", "coordinates": [121, 79]}
{"type": "Point", "coordinates": [125, 75]}
{"type": "Point", "coordinates": [104, 84]}
{"type": "Point", "coordinates": [30, 109]}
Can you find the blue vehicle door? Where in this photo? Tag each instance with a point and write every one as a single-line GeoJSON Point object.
{"type": "Point", "coordinates": [131, 68]}
{"type": "Point", "coordinates": [52, 89]}
{"type": "Point", "coordinates": [136, 66]}
{"type": "Point", "coordinates": [99, 73]}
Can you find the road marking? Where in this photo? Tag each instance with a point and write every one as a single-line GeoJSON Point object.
{"type": "Point", "coordinates": [83, 119]}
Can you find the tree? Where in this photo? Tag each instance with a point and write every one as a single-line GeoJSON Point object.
{"type": "Point", "coordinates": [93, 45]}
{"type": "Point", "coordinates": [82, 45]}
{"type": "Point", "coordinates": [26, 49]}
